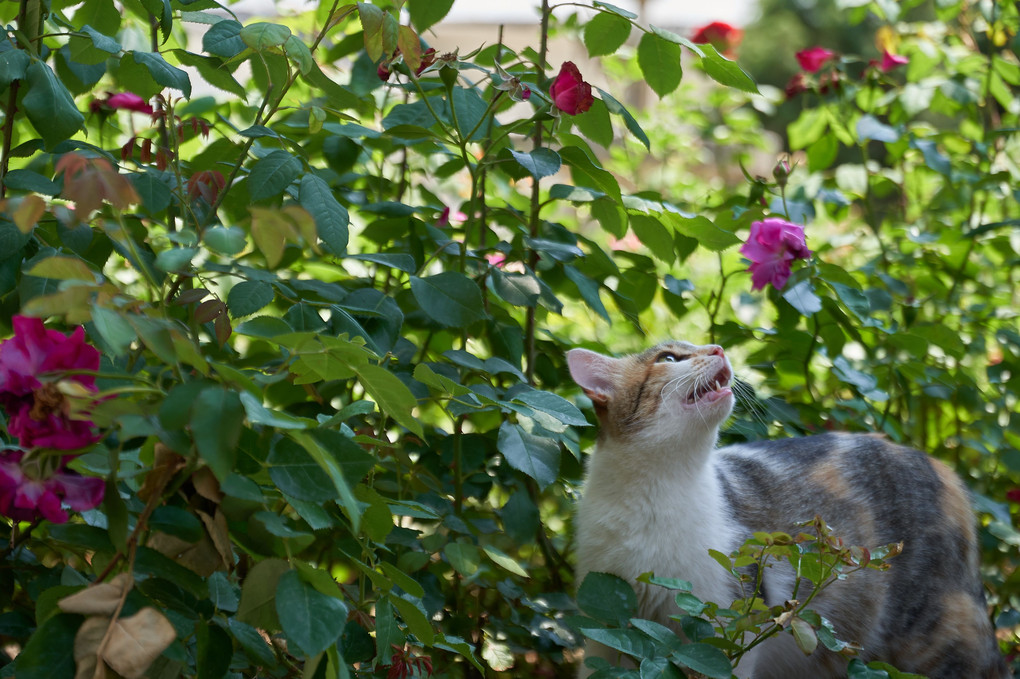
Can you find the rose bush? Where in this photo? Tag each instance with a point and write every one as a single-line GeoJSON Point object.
{"type": "Point", "coordinates": [334, 431]}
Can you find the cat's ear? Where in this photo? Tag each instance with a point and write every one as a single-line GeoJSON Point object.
{"type": "Point", "coordinates": [594, 373]}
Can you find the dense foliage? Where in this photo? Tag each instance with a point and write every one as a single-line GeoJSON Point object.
{"type": "Point", "coordinates": [330, 431]}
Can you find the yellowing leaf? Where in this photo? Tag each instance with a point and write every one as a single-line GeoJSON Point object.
{"type": "Point", "coordinates": [26, 215]}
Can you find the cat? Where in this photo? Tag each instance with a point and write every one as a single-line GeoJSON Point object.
{"type": "Point", "coordinates": [658, 496]}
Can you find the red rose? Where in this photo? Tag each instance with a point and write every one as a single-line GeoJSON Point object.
{"type": "Point", "coordinates": [811, 59]}
{"type": "Point", "coordinates": [569, 92]}
{"type": "Point", "coordinates": [720, 35]}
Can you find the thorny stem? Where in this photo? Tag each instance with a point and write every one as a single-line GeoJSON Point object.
{"type": "Point", "coordinates": [534, 221]}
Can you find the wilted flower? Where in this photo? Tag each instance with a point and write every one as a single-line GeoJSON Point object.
{"type": "Point", "coordinates": [1013, 495]}
{"type": "Point", "coordinates": [26, 493]}
{"type": "Point", "coordinates": [121, 101]}
{"type": "Point", "coordinates": [512, 85]}
{"type": "Point", "coordinates": [773, 244]}
{"type": "Point", "coordinates": [428, 58]}
{"type": "Point", "coordinates": [383, 71]}
{"type": "Point", "coordinates": [38, 410]}
{"type": "Point", "coordinates": [720, 35]}
{"type": "Point", "coordinates": [796, 85]}
{"type": "Point", "coordinates": [811, 59]}
{"type": "Point", "coordinates": [569, 92]}
{"type": "Point", "coordinates": [891, 61]}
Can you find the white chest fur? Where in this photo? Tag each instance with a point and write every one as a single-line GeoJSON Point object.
{"type": "Point", "coordinates": [660, 515]}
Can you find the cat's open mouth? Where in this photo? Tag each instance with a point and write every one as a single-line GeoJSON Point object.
{"type": "Point", "coordinates": [712, 390]}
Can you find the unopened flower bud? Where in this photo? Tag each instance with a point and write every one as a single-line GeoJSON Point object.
{"type": "Point", "coordinates": [781, 171]}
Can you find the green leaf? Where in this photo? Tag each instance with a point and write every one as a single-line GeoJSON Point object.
{"type": "Point", "coordinates": [629, 641]}
{"type": "Point", "coordinates": [417, 621]}
{"type": "Point", "coordinates": [615, 10]}
{"type": "Point", "coordinates": [536, 456]}
{"type": "Point", "coordinates": [247, 297]}
{"type": "Point", "coordinates": [163, 73]}
{"type": "Point", "coordinates": [309, 618]}
{"type": "Point", "coordinates": [605, 33]}
{"type": "Point", "coordinates": [217, 417]}
{"type": "Point", "coordinates": [101, 41]}
{"type": "Point", "coordinates": [629, 120]}
{"type": "Point", "coordinates": [655, 236]}
{"type": "Point", "coordinates": [46, 655]}
{"type": "Point", "coordinates": [392, 395]}
{"type": "Point", "coordinates": [49, 105]}
{"type": "Point", "coordinates": [272, 174]}
{"type": "Point", "coordinates": [595, 124]}
{"type": "Point", "coordinates": [255, 647]}
{"type": "Point", "coordinates": [589, 290]}
{"type": "Point", "coordinates": [63, 269]}
{"type": "Point", "coordinates": [802, 297]}
{"type": "Point", "coordinates": [13, 66]}
{"type": "Point", "coordinates": [464, 557]}
{"type": "Point", "coordinates": [724, 71]}
{"type": "Point", "coordinates": [258, 594]}
{"type": "Point", "coordinates": [154, 192]}
{"type": "Point", "coordinates": [607, 598]}
{"type": "Point", "coordinates": [557, 406]}
{"type": "Point", "coordinates": [804, 635]}
{"type": "Point", "coordinates": [331, 218]}
{"type": "Point", "coordinates": [659, 60]}
{"type": "Point", "coordinates": [541, 162]}
{"type": "Point", "coordinates": [212, 72]}
{"type": "Point", "coordinates": [224, 39]}
{"type": "Point", "coordinates": [703, 658]}
{"type": "Point", "coordinates": [426, 13]}
{"type": "Point", "coordinates": [114, 329]}
{"type": "Point", "coordinates": [702, 229]}
{"type": "Point", "coordinates": [296, 473]}
{"type": "Point", "coordinates": [449, 298]}
{"type": "Point", "coordinates": [299, 53]}
{"type": "Point", "coordinates": [327, 461]}
{"type": "Point", "coordinates": [262, 35]}
{"type": "Point", "coordinates": [387, 633]}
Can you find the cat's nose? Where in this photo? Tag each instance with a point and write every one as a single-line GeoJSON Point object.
{"type": "Point", "coordinates": [716, 350]}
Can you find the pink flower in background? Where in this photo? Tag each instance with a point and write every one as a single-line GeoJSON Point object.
{"type": "Point", "coordinates": [891, 61]}
{"type": "Point", "coordinates": [811, 59]}
{"type": "Point", "coordinates": [1013, 495]}
{"type": "Point", "coordinates": [720, 35]}
{"type": "Point", "coordinates": [36, 404]}
{"type": "Point", "coordinates": [569, 92]}
{"type": "Point", "coordinates": [448, 216]}
{"type": "Point", "coordinates": [122, 101]}
{"type": "Point", "coordinates": [773, 244]}
{"type": "Point", "coordinates": [795, 86]}
{"type": "Point", "coordinates": [26, 498]}
{"type": "Point", "coordinates": [496, 259]}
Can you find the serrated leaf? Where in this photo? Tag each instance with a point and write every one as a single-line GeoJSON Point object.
{"type": "Point", "coordinates": [541, 162]}
{"type": "Point", "coordinates": [299, 53]}
{"type": "Point", "coordinates": [702, 229]}
{"type": "Point", "coordinates": [703, 658]}
{"type": "Point", "coordinates": [606, 33]}
{"type": "Point", "coordinates": [536, 456]}
{"type": "Point", "coordinates": [217, 418]}
{"type": "Point", "coordinates": [212, 71]}
{"type": "Point", "coordinates": [247, 297]}
{"type": "Point", "coordinates": [607, 598]}
{"type": "Point", "coordinates": [449, 298]}
{"type": "Point", "coordinates": [392, 395]}
{"type": "Point", "coordinates": [331, 218]}
{"type": "Point", "coordinates": [164, 73]}
{"type": "Point", "coordinates": [426, 13]}
{"type": "Point", "coordinates": [659, 61]}
{"type": "Point", "coordinates": [263, 35]}
{"type": "Point", "coordinates": [224, 39]}
{"type": "Point", "coordinates": [309, 618]}
{"type": "Point", "coordinates": [49, 105]}
{"type": "Point", "coordinates": [725, 71]}
{"type": "Point", "coordinates": [272, 174]}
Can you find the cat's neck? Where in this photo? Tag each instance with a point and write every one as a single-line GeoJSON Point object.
{"type": "Point", "coordinates": [645, 465]}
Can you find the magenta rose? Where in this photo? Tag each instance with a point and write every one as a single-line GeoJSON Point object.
{"type": "Point", "coordinates": [26, 494]}
{"type": "Point", "coordinates": [32, 391]}
{"type": "Point", "coordinates": [811, 59]}
{"type": "Point", "coordinates": [891, 61]}
{"type": "Point", "coordinates": [569, 92]}
{"type": "Point", "coordinates": [122, 101]}
{"type": "Point", "coordinates": [772, 246]}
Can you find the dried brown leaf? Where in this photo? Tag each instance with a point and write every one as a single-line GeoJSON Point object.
{"type": "Point", "coordinates": [135, 642]}
{"type": "Point", "coordinates": [101, 599]}
{"type": "Point", "coordinates": [206, 485]}
{"type": "Point", "coordinates": [164, 466]}
{"type": "Point", "coordinates": [216, 525]}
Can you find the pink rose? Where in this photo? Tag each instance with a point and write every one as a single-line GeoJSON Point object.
{"type": "Point", "coordinates": [569, 92]}
{"type": "Point", "coordinates": [122, 101]}
{"type": "Point", "coordinates": [891, 61]}
{"type": "Point", "coordinates": [448, 216]}
{"type": "Point", "coordinates": [496, 259]}
{"type": "Point", "coordinates": [773, 244]}
{"type": "Point", "coordinates": [24, 497]}
{"type": "Point", "coordinates": [720, 35]}
{"type": "Point", "coordinates": [812, 59]}
{"type": "Point", "coordinates": [36, 406]}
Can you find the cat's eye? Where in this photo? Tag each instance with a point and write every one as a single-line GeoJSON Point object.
{"type": "Point", "coordinates": [670, 357]}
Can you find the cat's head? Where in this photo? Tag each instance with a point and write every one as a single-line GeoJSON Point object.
{"type": "Point", "coordinates": [673, 392]}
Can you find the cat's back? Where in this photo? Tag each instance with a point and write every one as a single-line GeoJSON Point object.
{"type": "Point", "coordinates": [927, 613]}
